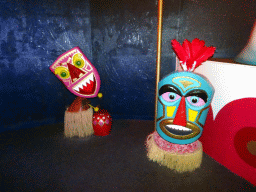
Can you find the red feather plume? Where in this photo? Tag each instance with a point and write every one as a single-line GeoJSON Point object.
{"type": "Point", "coordinates": [192, 54]}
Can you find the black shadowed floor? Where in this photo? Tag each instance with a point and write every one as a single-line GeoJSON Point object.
{"type": "Point", "coordinates": [41, 159]}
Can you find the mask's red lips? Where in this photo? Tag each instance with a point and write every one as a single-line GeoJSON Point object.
{"type": "Point", "coordinates": [87, 86]}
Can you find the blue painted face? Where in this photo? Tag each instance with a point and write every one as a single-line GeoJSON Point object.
{"type": "Point", "coordinates": [183, 103]}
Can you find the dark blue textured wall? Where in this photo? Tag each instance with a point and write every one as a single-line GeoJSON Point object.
{"type": "Point", "coordinates": [124, 49]}
{"type": "Point", "coordinates": [33, 34]}
{"type": "Point", "coordinates": [118, 36]}
{"type": "Point", "coordinates": [124, 41]}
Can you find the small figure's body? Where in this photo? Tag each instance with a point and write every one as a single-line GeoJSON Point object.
{"type": "Point", "coordinates": [102, 122]}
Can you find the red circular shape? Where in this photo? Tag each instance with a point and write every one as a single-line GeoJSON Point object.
{"type": "Point", "coordinates": [102, 122]}
{"type": "Point", "coordinates": [241, 139]}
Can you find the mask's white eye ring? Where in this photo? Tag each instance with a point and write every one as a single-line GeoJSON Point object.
{"type": "Point", "coordinates": [195, 101]}
{"type": "Point", "coordinates": [170, 97]}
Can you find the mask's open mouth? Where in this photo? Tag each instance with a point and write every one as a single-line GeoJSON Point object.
{"type": "Point", "coordinates": [177, 131]}
{"type": "Point", "coordinates": [87, 86]}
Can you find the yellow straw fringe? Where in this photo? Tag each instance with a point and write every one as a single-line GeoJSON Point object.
{"type": "Point", "coordinates": [175, 161]}
{"type": "Point", "coordinates": [78, 123]}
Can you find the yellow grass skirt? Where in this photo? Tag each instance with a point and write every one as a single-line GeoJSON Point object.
{"type": "Point", "coordinates": [176, 161]}
{"type": "Point", "coordinates": [78, 123]}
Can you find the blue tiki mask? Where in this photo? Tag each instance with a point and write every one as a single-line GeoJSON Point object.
{"type": "Point", "coordinates": [184, 99]}
{"type": "Point", "coordinates": [183, 102]}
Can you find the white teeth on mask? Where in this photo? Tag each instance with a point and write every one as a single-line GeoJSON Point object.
{"type": "Point", "coordinates": [177, 127]}
{"type": "Point", "coordinates": [84, 82]}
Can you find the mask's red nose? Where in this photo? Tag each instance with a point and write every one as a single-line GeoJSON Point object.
{"type": "Point", "coordinates": [74, 72]}
{"type": "Point", "coordinates": [180, 117]}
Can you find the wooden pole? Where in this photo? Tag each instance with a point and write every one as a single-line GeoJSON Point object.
{"type": "Point", "coordinates": [158, 58]}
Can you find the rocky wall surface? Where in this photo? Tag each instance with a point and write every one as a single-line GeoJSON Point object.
{"type": "Point", "coordinates": [33, 34]}
{"type": "Point", "coordinates": [118, 36]}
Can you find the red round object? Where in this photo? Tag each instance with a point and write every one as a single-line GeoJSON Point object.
{"type": "Point", "coordinates": [102, 122]}
{"type": "Point", "coordinates": [241, 140]}
{"type": "Point", "coordinates": [230, 138]}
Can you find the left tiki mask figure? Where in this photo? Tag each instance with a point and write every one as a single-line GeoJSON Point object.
{"type": "Point", "coordinates": [77, 73]}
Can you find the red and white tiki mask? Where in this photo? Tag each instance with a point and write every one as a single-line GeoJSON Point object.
{"type": "Point", "coordinates": [77, 73]}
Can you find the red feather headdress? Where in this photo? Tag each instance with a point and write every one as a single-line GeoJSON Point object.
{"type": "Point", "coordinates": [193, 54]}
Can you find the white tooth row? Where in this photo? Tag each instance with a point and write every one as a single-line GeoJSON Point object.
{"type": "Point", "coordinates": [57, 63]}
{"type": "Point", "coordinates": [71, 53]}
{"type": "Point", "coordinates": [67, 55]}
{"type": "Point", "coordinates": [84, 82]}
{"type": "Point", "coordinates": [177, 127]}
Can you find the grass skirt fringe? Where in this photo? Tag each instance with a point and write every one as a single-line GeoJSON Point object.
{"type": "Point", "coordinates": [78, 123]}
{"type": "Point", "coordinates": [173, 160]}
